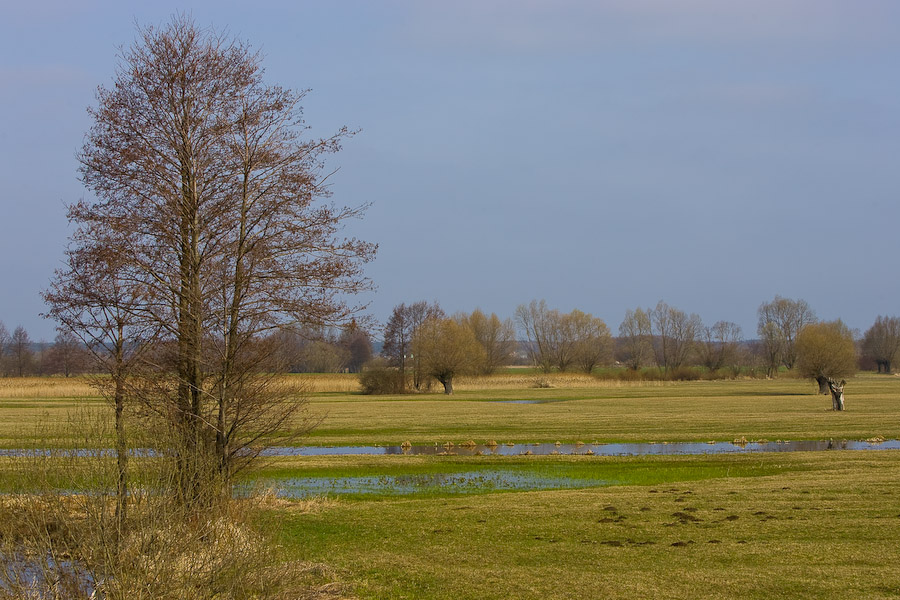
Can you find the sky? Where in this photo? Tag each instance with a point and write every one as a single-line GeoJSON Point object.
{"type": "Point", "coordinates": [598, 154]}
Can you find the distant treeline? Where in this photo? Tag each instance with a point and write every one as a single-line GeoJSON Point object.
{"type": "Point", "coordinates": [662, 337]}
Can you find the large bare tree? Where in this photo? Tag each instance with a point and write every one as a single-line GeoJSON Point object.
{"type": "Point", "coordinates": [636, 338]}
{"type": "Point", "coordinates": [676, 333]}
{"type": "Point", "coordinates": [881, 342]}
{"type": "Point", "coordinates": [719, 345]}
{"type": "Point", "coordinates": [537, 323]}
{"type": "Point", "coordinates": [212, 200]}
{"type": "Point", "coordinates": [590, 338]}
{"type": "Point", "coordinates": [780, 321]}
{"type": "Point", "coordinates": [399, 332]}
{"type": "Point", "coordinates": [564, 340]}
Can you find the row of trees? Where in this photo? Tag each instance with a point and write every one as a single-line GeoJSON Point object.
{"type": "Point", "coordinates": [420, 339]}
{"type": "Point", "coordinates": [20, 356]}
{"type": "Point", "coordinates": [663, 336]}
{"type": "Point", "coordinates": [303, 349]}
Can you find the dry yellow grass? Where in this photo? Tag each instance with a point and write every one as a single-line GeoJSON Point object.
{"type": "Point", "coordinates": [47, 387]}
{"type": "Point", "coordinates": [322, 383]}
{"type": "Point", "coordinates": [511, 381]}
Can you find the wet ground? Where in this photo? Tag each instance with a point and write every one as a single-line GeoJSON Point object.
{"type": "Point", "coordinates": [623, 449]}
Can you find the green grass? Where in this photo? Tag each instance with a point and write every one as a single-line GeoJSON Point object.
{"type": "Point", "coordinates": [604, 412]}
{"type": "Point", "coordinates": [808, 525]}
{"type": "Point", "coordinates": [778, 525]}
{"type": "Point", "coordinates": [563, 471]}
{"type": "Point", "coordinates": [686, 411]}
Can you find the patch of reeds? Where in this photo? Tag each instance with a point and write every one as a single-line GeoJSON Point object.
{"type": "Point", "coordinates": [47, 387]}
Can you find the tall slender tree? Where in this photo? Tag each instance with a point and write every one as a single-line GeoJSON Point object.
{"type": "Point", "coordinates": [212, 200]}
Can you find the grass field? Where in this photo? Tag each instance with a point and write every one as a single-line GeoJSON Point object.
{"type": "Point", "coordinates": [780, 525]}
{"type": "Point", "coordinates": [576, 408]}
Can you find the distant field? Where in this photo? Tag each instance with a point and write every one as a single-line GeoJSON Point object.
{"type": "Point", "coordinates": [575, 408]}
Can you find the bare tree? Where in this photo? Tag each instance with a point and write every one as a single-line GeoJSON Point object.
{"type": "Point", "coordinates": [676, 333]}
{"type": "Point", "coordinates": [97, 308]}
{"type": "Point", "coordinates": [719, 345]}
{"type": "Point", "coordinates": [401, 328]}
{"type": "Point", "coordinates": [212, 201]}
{"type": "Point", "coordinates": [20, 351]}
{"type": "Point", "coordinates": [636, 337]}
{"type": "Point", "coordinates": [67, 355]}
{"type": "Point", "coordinates": [780, 321]}
{"type": "Point", "coordinates": [563, 340]}
{"type": "Point", "coordinates": [590, 338]}
{"type": "Point", "coordinates": [881, 342]}
{"type": "Point", "coordinates": [497, 338]}
{"type": "Point", "coordinates": [4, 347]}
{"type": "Point", "coordinates": [357, 344]}
{"type": "Point", "coordinates": [537, 323]}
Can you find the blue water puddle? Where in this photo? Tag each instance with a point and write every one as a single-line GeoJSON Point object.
{"type": "Point", "coordinates": [468, 482]}
{"type": "Point", "coordinates": [624, 449]}
{"type": "Point", "coordinates": [598, 449]}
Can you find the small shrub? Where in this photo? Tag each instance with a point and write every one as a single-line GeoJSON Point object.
{"type": "Point", "coordinates": [376, 377]}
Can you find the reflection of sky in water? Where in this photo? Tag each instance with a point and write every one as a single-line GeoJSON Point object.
{"type": "Point", "coordinates": [461, 483]}
{"type": "Point", "coordinates": [624, 449]}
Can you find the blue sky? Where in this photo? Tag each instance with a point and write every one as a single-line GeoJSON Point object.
{"type": "Point", "coordinates": [601, 155]}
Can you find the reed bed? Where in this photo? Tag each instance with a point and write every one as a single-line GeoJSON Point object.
{"type": "Point", "coordinates": [511, 381]}
{"type": "Point", "coordinates": [48, 387]}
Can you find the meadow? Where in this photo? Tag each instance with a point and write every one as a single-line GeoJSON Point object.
{"type": "Point", "coordinates": [791, 525]}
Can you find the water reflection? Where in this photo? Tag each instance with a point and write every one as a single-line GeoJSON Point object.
{"type": "Point", "coordinates": [407, 484]}
{"type": "Point", "coordinates": [623, 449]}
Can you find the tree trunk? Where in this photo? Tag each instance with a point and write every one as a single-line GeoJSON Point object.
{"type": "Point", "coordinates": [447, 382]}
{"type": "Point", "coordinates": [121, 461]}
{"type": "Point", "coordinates": [823, 384]}
{"type": "Point", "coordinates": [837, 394]}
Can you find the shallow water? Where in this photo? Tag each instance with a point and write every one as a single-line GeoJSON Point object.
{"type": "Point", "coordinates": [624, 449]}
{"type": "Point", "coordinates": [460, 483]}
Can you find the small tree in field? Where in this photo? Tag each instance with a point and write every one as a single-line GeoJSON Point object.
{"type": "Point", "coordinates": [826, 352]}
{"type": "Point", "coordinates": [446, 348]}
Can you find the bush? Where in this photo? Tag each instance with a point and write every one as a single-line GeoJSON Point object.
{"type": "Point", "coordinates": [376, 377]}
